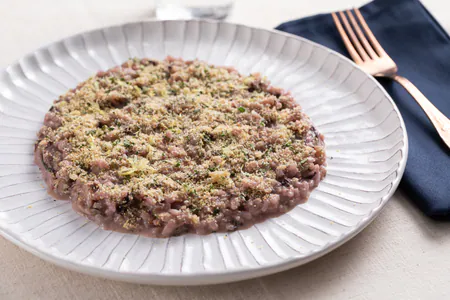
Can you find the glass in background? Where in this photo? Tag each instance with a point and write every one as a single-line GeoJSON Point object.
{"type": "Point", "coordinates": [189, 9]}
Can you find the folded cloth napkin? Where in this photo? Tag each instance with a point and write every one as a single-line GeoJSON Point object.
{"type": "Point", "coordinates": [421, 49]}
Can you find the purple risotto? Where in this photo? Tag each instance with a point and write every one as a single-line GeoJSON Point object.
{"type": "Point", "coordinates": [163, 148]}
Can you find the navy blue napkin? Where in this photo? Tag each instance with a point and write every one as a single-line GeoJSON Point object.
{"type": "Point", "coordinates": [421, 49]}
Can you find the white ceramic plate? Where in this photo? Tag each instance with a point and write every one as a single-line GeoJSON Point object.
{"type": "Point", "coordinates": [365, 136]}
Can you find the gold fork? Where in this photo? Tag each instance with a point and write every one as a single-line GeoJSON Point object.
{"type": "Point", "coordinates": [371, 57]}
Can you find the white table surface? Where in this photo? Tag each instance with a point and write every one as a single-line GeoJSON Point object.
{"type": "Point", "coordinates": [401, 255]}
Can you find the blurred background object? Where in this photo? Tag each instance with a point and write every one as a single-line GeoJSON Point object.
{"type": "Point", "coordinates": [188, 9]}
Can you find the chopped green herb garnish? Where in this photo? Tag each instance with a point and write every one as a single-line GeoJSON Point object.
{"type": "Point", "coordinates": [127, 143]}
{"type": "Point", "coordinates": [206, 137]}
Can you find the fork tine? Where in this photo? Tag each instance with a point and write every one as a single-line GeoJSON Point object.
{"type": "Point", "coordinates": [369, 33]}
{"type": "Point", "coordinates": [351, 49]}
{"type": "Point", "coordinates": [353, 37]}
{"type": "Point", "coordinates": [361, 36]}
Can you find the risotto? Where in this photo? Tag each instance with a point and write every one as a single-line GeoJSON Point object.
{"type": "Point", "coordinates": [163, 148]}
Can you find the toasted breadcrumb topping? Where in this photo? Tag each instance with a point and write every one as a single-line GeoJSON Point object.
{"type": "Point", "coordinates": [185, 133]}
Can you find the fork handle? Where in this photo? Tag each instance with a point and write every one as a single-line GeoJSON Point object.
{"type": "Point", "coordinates": [439, 120]}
